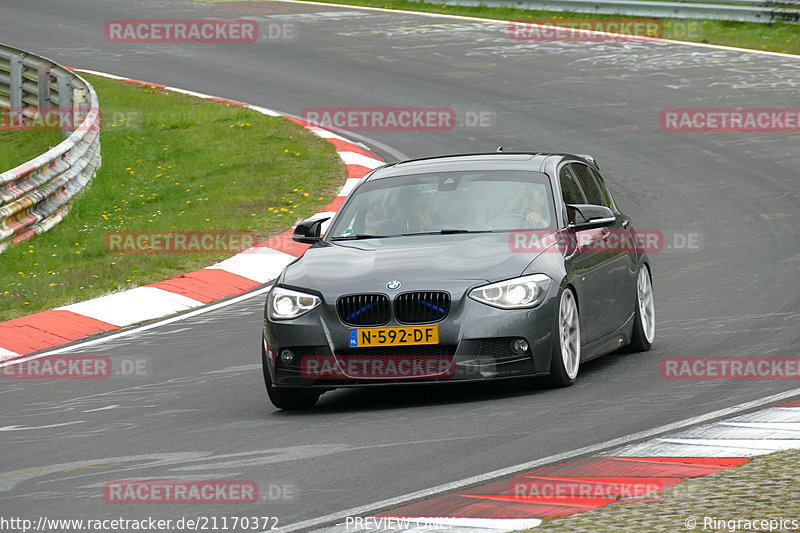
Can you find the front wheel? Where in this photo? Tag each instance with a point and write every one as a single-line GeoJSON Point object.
{"type": "Point", "coordinates": [287, 398]}
{"type": "Point", "coordinates": [566, 357]}
{"type": "Point", "coordinates": [644, 323]}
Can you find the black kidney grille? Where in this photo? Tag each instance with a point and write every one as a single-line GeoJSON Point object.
{"type": "Point", "coordinates": [420, 307]}
{"type": "Point", "coordinates": [364, 309]}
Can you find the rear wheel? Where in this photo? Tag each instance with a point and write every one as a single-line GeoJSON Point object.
{"type": "Point", "coordinates": [287, 398]}
{"type": "Point", "coordinates": [566, 357]}
{"type": "Point", "coordinates": [644, 323]}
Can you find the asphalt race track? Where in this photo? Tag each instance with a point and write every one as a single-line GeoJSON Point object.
{"type": "Point", "coordinates": [201, 411]}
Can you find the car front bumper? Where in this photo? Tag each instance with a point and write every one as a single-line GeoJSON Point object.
{"type": "Point", "coordinates": [474, 344]}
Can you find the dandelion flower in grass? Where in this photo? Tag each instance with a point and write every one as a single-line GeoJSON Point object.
{"type": "Point", "coordinates": [27, 303]}
{"type": "Point", "coordinates": [320, 198]}
{"type": "Point", "coordinates": [127, 280]}
{"type": "Point", "coordinates": [286, 151]}
{"type": "Point", "coordinates": [21, 273]}
{"type": "Point", "coordinates": [95, 276]}
{"type": "Point", "coordinates": [52, 284]}
{"type": "Point", "coordinates": [305, 195]}
{"type": "Point", "coordinates": [188, 201]}
{"type": "Point", "coordinates": [295, 190]}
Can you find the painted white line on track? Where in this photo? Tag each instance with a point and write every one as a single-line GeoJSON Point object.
{"type": "Point", "coordinates": [772, 426]}
{"type": "Point", "coordinates": [128, 332]}
{"type": "Point", "coordinates": [586, 450]}
{"type": "Point", "coordinates": [480, 19]}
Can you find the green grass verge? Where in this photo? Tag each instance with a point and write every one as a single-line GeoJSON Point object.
{"type": "Point", "coordinates": [17, 147]}
{"type": "Point", "coordinates": [170, 162]}
{"type": "Point", "coordinates": [775, 37]}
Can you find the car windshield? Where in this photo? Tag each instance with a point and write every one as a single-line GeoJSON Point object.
{"type": "Point", "coordinates": [447, 202]}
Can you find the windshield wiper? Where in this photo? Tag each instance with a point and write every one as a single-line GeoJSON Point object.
{"type": "Point", "coordinates": [358, 236]}
{"type": "Point", "coordinates": [448, 231]}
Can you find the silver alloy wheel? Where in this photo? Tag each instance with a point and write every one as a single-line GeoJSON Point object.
{"type": "Point", "coordinates": [646, 304]}
{"type": "Point", "coordinates": [570, 333]}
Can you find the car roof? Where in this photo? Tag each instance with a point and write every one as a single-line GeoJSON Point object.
{"type": "Point", "coordinates": [531, 161]}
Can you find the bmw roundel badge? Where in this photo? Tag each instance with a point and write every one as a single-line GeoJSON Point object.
{"type": "Point", "coordinates": [394, 284]}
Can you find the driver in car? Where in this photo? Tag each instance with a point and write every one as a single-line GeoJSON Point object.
{"type": "Point", "coordinates": [536, 215]}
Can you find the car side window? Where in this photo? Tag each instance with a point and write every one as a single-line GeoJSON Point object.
{"type": "Point", "coordinates": [570, 190]}
{"type": "Point", "coordinates": [590, 186]}
{"type": "Point", "coordinates": [603, 188]}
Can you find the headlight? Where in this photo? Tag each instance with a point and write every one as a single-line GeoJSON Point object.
{"type": "Point", "coordinates": [285, 304]}
{"type": "Point", "coordinates": [517, 293]}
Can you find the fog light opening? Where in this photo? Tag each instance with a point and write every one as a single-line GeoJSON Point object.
{"type": "Point", "coordinates": [520, 346]}
{"type": "Point", "coordinates": [287, 357]}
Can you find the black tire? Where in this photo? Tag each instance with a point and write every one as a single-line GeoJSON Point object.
{"type": "Point", "coordinates": [639, 342]}
{"type": "Point", "coordinates": [559, 376]}
{"type": "Point", "coordinates": [287, 398]}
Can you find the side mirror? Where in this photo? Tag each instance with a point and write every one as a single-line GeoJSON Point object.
{"type": "Point", "coordinates": [587, 216]}
{"type": "Point", "coordinates": [308, 231]}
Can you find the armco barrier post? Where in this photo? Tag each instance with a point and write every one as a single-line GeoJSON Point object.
{"type": "Point", "coordinates": [15, 82]}
{"type": "Point", "coordinates": [64, 100]}
{"type": "Point", "coordinates": [43, 89]}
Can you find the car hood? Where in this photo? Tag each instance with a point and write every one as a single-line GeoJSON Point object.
{"type": "Point", "coordinates": [370, 263]}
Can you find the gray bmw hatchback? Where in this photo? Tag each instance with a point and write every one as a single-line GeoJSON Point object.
{"type": "Point", "coordinates": [459, 268]}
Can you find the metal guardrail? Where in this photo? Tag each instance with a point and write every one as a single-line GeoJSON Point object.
{"type": "Point", "coordinates": [787, 11]}
{"type": "Point", "coordinates": [36, 195]}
